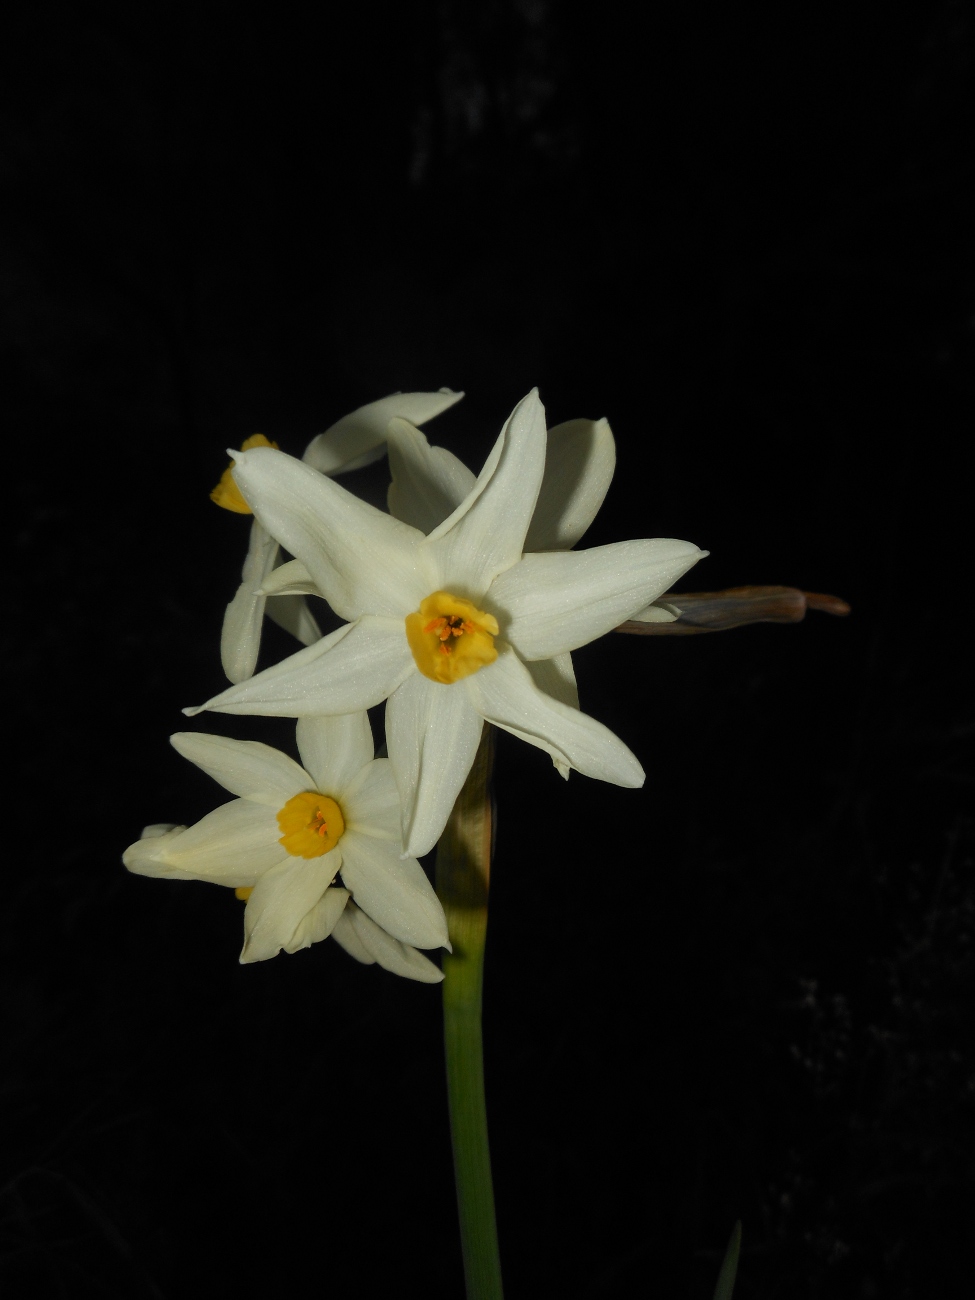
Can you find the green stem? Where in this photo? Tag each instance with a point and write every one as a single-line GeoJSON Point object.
{"type": "Point", "coordinates": [463, 874]}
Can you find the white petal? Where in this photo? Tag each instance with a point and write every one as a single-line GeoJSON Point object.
{"type": "Point", "coordinates": [429, 483]}
{"type": "Point", "coordinates": [432, 733]}
{"type": "Point", "coordinates": [335, 749]}
{"type": "Point", "coordinates": [505, 694]}
{"type": "Point", "coordinates": [344, 934]}
{"type": "Point", "coordinates": [281, 900]}
{"type": "Point", "coordinates": [319, 923]}
{"type": "Point", "coordinates": [292, 613]}
{"type": "Point", "coordinates": [233, 845]}
{"type": "Point", "coordinates": [362, 560]}
{"type": "Point", "coordinates": [560, 600]}
{"type": "Point", "coordinates": [290, 579]}
{"type": "Point", "coordinates": [244, 767]}
{"type": "Point", "coordinates": [394, 891]}
{"type": "Point", "coordinates": [579, 464]}
{"type": "Point", "coordinates": [556, 677]}
{"type": "Point", "coordinates": [240, 639]}
{"type": "Point", "coordinates": [358, 438]}
{"type": "Point", "coordinates": [397, 957]}
{"type": "Point", "coordinates": [370, 804]}
{"type": "Point", "coordinates": [353, 668]}
{"type": "Point", "coordinates": [145, 856]}
{"type": "Point", "coordinates": [485, 535]}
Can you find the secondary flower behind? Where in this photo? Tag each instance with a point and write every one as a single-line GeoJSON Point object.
{"type": "Point", "coordinates": [352, 442]}
{"type": "Point", "coordinates": [314, 849]}
{"type": "Point", "coordinates": [447, 626]}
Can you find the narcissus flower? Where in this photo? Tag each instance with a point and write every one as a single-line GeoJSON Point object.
{"type": "Point", "coordinates": [314, 849]}
{"type": "Point", "coordinates": [444, 626]}
{"type": "Point", "coordinates": [429, 483]}
{"type": "Point", "coordinates": [353, 442]}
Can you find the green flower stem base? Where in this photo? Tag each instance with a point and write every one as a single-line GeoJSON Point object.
{"type": "Point", "coordinates": [463, 873]}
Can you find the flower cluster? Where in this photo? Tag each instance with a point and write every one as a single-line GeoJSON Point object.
{"type": "Point", "coordinates": [461, 605]}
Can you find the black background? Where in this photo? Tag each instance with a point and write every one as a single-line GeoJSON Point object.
{"type": "Point", "coordinates": [745, 991]}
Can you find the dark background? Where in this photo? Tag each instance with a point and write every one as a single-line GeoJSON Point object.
{"type": "Point", "coordinates": [745, 991]}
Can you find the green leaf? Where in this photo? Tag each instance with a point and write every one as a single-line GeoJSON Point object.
{"type": "Point", "coordinates": [726, 1278]}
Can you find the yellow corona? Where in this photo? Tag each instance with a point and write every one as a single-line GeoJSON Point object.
{"type": "Point", "coordinates": [312, 824]}
{"type": "Point", "coordinates": [451, 638]}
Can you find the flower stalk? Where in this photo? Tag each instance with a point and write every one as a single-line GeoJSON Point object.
{"type": "Point", "coordinates": [463, 874]}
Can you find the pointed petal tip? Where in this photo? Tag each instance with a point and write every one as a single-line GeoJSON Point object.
{"type": "Point", "coordinates": [193, 710]}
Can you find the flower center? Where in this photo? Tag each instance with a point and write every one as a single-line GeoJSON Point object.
{"type": "Point", "coordinates": [451, 638]}
{"type": "Point", "coordinates": [227, 494]}
{"type": "Point", "coordinates": [312, 823]}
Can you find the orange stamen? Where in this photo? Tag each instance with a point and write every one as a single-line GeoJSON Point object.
{"type": "Point", "coordinates": [447, 626]}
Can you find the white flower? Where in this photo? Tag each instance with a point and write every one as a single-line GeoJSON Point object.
{"type": "Point", "coordinates": [429, 483]}
{"type": "Point", "coordinates": [444, 625]}
{"type": "Point", "coordinates": [353, 442]}
{"type": "Point", "coordinates": [292, 833]}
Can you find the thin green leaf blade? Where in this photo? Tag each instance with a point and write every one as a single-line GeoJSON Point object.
{"type": "Point", "coordinates": [729, 1269]}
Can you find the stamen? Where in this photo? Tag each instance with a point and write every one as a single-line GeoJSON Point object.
{"type": "Point", "coordinates": [447, 626]}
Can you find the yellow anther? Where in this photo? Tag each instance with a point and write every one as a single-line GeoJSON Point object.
{"type": "Point", "coordinates": [451, 638]}
{"type": "Point", "coordinates": [312, 824]}
{"type": "Point", "coordinates": [227, 494]}
{"type": "Point", "coordinates": [243, 892]}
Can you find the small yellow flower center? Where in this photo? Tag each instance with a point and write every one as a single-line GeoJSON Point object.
{"type": "Point", "coordinates": [243, 892]}
{"type": "Point", "coordinates": [227, 494]}
{"type": "Point", "coordinates": [312, 823]}
{"type": "Point", "coordinates": [451, 638]}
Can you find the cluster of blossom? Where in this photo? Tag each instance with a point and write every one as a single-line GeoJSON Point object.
{"type": "Point", "coordinates": [461, 605]}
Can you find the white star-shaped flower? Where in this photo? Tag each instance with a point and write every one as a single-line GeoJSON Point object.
{"type": "Point", "coordinates": [444, 625]}
{"type": "Point", "coordinates": [429, 483]}
{"type": "Point", "coordinates": [292, 834]}
{"type": "Point", "coordinates": [354, 441]}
